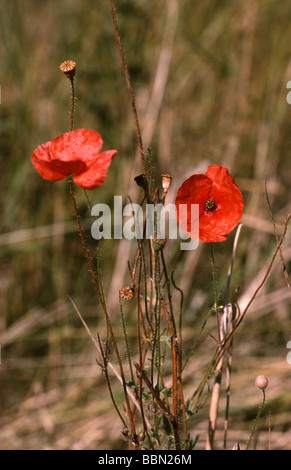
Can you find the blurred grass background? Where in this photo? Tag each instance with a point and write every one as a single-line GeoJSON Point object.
{"type": "Point", "coordinates": [210, 82]}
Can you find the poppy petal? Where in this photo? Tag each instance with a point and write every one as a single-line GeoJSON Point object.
{"type": "Point", "coordinates": [75, 151]}
{"type": "Point", "coordinates": [219, 175]}
{"type": "Point", "coordinates": [195, 190]}
{"type": "Point", "coordinates": [41, 162]}
{"type": "Point", "coordinates": [96, 174]}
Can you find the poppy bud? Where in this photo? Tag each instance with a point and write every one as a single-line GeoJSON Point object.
{"type": "Point", "coordinates": [141, 181]}
{"type": "Point", "coordinates": [158, 244]}
{"type": "Point", "coordinates": [261, 382]}
{"type": "Point", "coordinates": [166, 181]}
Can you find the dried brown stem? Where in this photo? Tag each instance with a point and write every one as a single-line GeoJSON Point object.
{"type": "Point", "coordinates": [170, 417]}
{"type": "Point", "coordinates": [221, 349]}
{"type": "Point", "coordinates": [105, 370]}
{"type": "Point", "coordinates": [176, 346]}
{"type": "Point", "coordinates": [169, 293]}
{"type": "Point", "coordinates": [277, 239]}
{"type": "Point", "coordinates": [159, 402]}
{"type": "Point", "coordinates": [109, 364]}
{"type": "Point", "coordinates": [129, 86]}
{"type": "Point", "coordinates": [265, 277]}
{"type": "Point", "coordinates": [180, 313]}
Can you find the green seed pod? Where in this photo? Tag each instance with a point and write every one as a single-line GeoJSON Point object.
{"type": "Point", "coordinates": [158, 244]}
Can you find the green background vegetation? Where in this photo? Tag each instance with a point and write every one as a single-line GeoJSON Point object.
{"type": "Point", "coordinates": [210, 84]}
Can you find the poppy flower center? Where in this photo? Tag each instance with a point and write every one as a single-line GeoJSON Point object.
{"type": "Point", "coordinates": [210, 206]}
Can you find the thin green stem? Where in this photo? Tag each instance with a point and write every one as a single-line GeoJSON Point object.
{"type": "Point", "coordinates": [126, 339]}
{"type": "Point", "coordinates": [175, 359]}
{"type": "Point", "coordinates": [261, 409]}
{"type": "Point", "coordinates": [169, 293]}
{"type": "Point", "coordinates": [156, 349]}
{"type": "Point", "coordinates": [180, 315]}
{"type": "Point", "coordinates": [215, 288]}
{"type": "Point", "coordinates": [72, 103]}
{"type": "Point", "coordinates": [105, 370]}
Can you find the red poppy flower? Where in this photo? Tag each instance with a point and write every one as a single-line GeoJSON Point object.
{"type": "Point", "coordinates": [220, 203]}
{"type": "Point", "coordinates": [74, 153]}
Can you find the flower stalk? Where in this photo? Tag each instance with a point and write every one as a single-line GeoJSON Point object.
{"type": "Point", "coordinates": [261, 383]}
{"type": "Point", "coordinates": [134, 438]}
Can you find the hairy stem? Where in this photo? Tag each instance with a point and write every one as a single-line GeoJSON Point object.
{"type": "Point", "coordinates": [129, 86]}
{"type": "Point", "coordinates": [261, 409]}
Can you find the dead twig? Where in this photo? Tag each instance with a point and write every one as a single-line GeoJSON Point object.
{"type": "Point", "coordinates": [277, 239]}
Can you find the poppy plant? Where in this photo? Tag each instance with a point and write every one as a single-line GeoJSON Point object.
{"type": "Point", "coordinates": [74, 153]}
{"type": "Point", "coordinates": [220, 204]}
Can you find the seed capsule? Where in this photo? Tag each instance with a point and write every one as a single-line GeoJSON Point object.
{"type": "Point", "coordinates": [69, 68]}
{"type": "Point", "coordinates": [166, 181]}
{"type": "Point", "coordinates": [158, 244]}
{"type": "Point", "coordinates": [126, 293]}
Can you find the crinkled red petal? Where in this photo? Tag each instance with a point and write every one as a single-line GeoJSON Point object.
{"type": "Point", "coordinates": [195, 190]}
{"type": "Point", "coordinates": [96, 174]}
{"type": "Point", "coordinates": [214, 226]}
{"type": "Point", "coordinates": [41, 162]}
{"type": "Point", "coordinates": [75, 151]}
{"type": "Point", "coordinates": [219, 175]}
{"type": "Point", "coordinates": [70, 153]}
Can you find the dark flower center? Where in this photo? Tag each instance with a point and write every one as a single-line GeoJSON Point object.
{"type": "Point", "coordinates": [210, 206]}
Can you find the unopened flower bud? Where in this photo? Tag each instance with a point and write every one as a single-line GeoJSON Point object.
{"type": "Point", "coordinates": [158, 244]}
{"type": "Point", "coordinates": [141, 181]}
{"type": "Point", "coordinates": [166, 181]}
{"type": "Point", "coordinates": [261, 382]}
